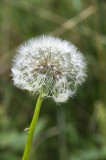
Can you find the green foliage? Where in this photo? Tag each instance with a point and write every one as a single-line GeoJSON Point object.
{"type": "Point", "coordinates": [75, 130]}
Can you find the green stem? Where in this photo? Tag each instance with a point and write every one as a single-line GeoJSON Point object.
{"type": "Point", "coordinates": [32, 128]}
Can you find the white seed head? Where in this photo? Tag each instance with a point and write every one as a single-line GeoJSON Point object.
{"type": "Point", "coordinates": [49, 66]}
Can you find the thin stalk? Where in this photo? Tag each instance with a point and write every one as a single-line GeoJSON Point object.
{"type": "Point", "coordinates": [32, 128]}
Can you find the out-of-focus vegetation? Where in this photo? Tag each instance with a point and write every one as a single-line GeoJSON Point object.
{"type": "Point", "coordinates": [72, 131]}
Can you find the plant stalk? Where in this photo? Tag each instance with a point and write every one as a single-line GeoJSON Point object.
{"type": "Point", "coordinates": [32, 128]}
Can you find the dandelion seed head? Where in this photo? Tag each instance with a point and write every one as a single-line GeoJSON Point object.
{"type": "Point", "coordinates": [49, 66]}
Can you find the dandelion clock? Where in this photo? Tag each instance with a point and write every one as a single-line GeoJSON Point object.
{"type": "Point", "coordinates": [50, 67]}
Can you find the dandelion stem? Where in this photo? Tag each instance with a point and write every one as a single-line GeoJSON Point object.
{"type": "Point", "coordinates": [32, 128]}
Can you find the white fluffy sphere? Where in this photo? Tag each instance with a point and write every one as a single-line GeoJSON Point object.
{"type": "Point", "coordinates": [50, 66]}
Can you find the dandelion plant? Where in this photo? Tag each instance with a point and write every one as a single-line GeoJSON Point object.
{"type": "Point", "coordinates": [50, 67]}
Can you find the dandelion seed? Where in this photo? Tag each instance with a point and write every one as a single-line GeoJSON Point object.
{"type": "Point", "coordinates": [54, 68]}
{"type": "Point", "coordinates": [49, 66]}
{"type": "Point", "coordinates": [41, 67]}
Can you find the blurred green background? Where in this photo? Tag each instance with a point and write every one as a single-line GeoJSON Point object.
{"type": "Point", "coordinates": [72, 131]}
